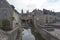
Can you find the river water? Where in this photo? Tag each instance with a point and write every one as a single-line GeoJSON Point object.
{"type": "Point", "coordinates": [27, 35]}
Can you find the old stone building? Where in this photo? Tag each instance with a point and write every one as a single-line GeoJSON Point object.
{"type": "Point", "coordinates": [44, 17]}
{"type": "Point", "coordinates": [7, 11]}
{"type": "Point", "coordinates": [49, 16]}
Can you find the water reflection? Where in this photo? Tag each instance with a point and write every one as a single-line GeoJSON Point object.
{"type": "Point", "coordinates": [27, 35]}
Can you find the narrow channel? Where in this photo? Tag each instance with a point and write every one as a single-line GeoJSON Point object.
{"type": "Point", "coordinates": [30, 32]}
{"type": "Point", "coordinates": [27, 35]}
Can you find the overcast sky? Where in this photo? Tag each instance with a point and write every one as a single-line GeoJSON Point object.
{"type": "Point", "coordinates": [53, 5]}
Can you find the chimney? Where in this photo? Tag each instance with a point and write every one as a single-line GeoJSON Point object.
{"type": "Point", "coordinates": [22, 11]}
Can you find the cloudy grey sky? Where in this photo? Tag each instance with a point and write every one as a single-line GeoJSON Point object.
{"type": "Point", "coordinates": [53, 5]}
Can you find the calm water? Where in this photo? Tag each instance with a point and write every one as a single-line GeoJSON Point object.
{"type": "Point", "coordinates": [27, 35]}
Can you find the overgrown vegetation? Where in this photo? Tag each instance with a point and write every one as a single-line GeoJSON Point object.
{"type": "Point", "coordinates": [6, 25]}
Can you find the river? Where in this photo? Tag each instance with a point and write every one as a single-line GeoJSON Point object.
{"type": "Point", "coordinates": [27, 35]}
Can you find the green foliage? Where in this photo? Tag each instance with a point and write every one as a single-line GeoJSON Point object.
{"type": "Point", "coordinates": [6, 25]}
{"type": "Point", "coordinates": [5, 22]}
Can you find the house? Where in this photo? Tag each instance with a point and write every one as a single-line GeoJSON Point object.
{"type": "Point", "coordinates": [44, 17]}
{"type": "Point", "coordinates": [49, 16]}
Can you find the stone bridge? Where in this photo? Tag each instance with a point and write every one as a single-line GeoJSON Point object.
{"type": "Point", "coordinates": [10, 35]}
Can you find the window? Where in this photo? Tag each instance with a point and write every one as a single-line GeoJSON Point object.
{"type": "Point", "coordinates": [5, 12]}
{"type": "Point", "coordinates": [1, 2]}
{"type": "Point", "coordinates": [13, 18]}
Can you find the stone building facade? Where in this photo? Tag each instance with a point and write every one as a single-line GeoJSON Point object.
{"type": "Point", "coordinates": [44, 17]}
{"type": "Point", "coordinates": [7, 11]}
{"type": "Point", "coordinates": [16, 20]}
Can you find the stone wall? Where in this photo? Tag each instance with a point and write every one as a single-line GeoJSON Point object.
{"type": "Point", "coordinates": [45, 34]}
{"type": "Point", "coordinates": [10, 35]}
